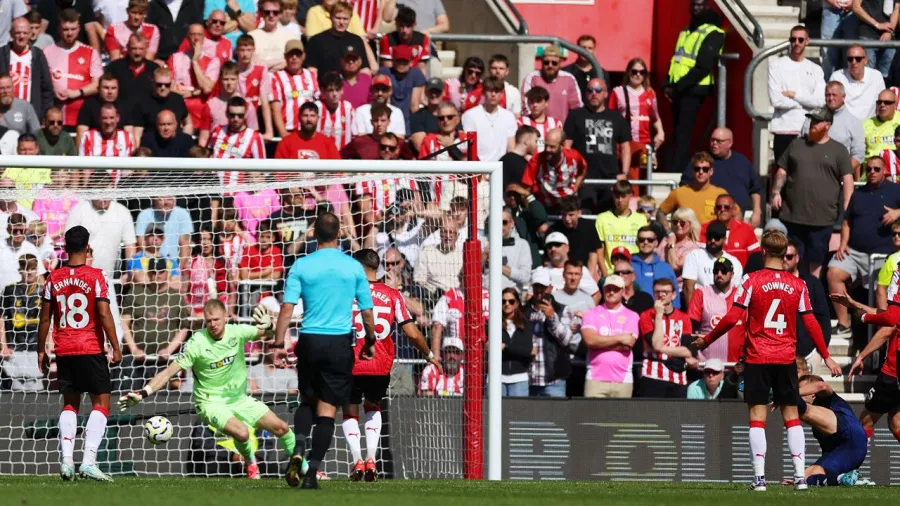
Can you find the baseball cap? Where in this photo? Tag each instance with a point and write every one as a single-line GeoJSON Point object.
{"type": "Point", "coordinates": [556, 238]}
{"type": "Point", "coordinates": [401, 52]}
{"type": "Point", "coordinates": [434, 83]}
{"type": "Point", "coordinates": [293, 45]}
{"type": "Point", "coordinates": [155, 229]}
{"type": "Point", "coordinates": [821, 114]}
{"type": "Point", "coordinates": [157, 264]}
{"type": "Point", "coordinates": [775, 224]}
{"type": "Point", "coordinates": [723, 264]}
{"type": "Point", "coordinates": [716, 230]}
{"type": "Point", "coordinates": [550, 51]}
{"type": "Point", "coordinates": [620, 251]}
{"type": "Point", "coordinates": [349, 50]}
{"type": "Point", "coordinates": [540, 276]}
{"type": "Point", "coordinates": [453, 342]}
{"type": "Point", "coordinates": [381, 80]}
{"type": "Point", "coordinates": [614, 280]}
{"type": "Point", "coordinates": [714, 364]}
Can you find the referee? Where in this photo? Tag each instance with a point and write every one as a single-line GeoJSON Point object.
{"type": "Point", "coordinates": [328, 281]}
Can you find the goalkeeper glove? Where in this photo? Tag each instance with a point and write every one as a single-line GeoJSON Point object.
{"type": "Point", "coordinates": [262, 319]}
{"type": "Point", "coordinates": [134, 398]}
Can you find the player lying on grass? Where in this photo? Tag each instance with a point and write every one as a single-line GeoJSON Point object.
{"type": "Point", "coordinates": [215, 355]}
{"type": "Point", "coordinates": [839, 433]}
{"type": "Point", "coordinates": [372, 377]}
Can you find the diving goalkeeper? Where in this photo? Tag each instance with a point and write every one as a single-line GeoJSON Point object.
{"type": "Point", "coordinates": [215, 354]}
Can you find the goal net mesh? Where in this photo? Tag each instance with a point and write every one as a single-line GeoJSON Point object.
{"type": "Point", "coordinates": [171, 240]}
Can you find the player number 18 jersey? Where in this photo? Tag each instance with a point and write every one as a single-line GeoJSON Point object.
{"type": "Point", "coordinates": [390, 313]}
{"type": "Point", "coordinates": [73, 293]}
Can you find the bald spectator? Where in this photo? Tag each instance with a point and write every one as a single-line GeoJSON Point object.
{"type": "Point", "coordinates": [563, 86]}
{"type": "Point", "coordinates": [879, 130]}
{"type": "Point", "coordinates": [846, 128]}
{"type": "Point", "coordinates": [28, 67]}
{"type": "Point", "coordinates": [215, 43]}
{"type": "Point", "coordinates": [12, 10]}
{"type": "Point", "coordinates": [740, 240]}
{"type": "Point", "coordinates": [862, 82]}
{"type": "Point", "coordinates": [167, 140]}
{"type": "Point", "coordinates": [556, 172]}
{"type": "Point", "coordinates": [194, 73]}
{"type": "Point", "coordinates": [270, 38]}
{"type": "Point", "coordinates": [438, 266]}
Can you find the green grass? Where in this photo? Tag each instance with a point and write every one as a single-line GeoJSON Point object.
{"type": "Point", "coordinates": [32, 491]}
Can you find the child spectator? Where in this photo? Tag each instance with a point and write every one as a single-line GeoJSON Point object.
{"type": "Point", "coordinates": [37, 235]}
{"type": "Point", "coordinates": [263, 260]}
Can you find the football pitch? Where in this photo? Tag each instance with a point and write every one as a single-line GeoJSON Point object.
{"type": "Point", "coordinates": [32, 491]}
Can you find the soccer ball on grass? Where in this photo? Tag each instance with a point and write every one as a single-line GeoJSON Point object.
{"type": "Point", "coordinates": [158, 430]}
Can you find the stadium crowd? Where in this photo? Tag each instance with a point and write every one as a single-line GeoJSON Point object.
{"type": "Point", "coordinates": [602, 285]}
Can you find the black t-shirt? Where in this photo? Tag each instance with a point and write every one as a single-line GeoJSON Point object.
{"type": "Point", "coordinates": [581, 77]}
{"type": "Point", "coordinates": [50, 9]}
{"type": "Point", "coordinates": [324, 51]}
{"type": "Point", "coordinates": [290, 226]}
{"type": "Point", "coordinates": [596, 135]}
{"type": "Point", "coordinates": [513, 168]}
{"type": "Point", "coordinates": [21, 310]}
{"type": "Point", "coordinates": [583, 239]}
{"type": "Point", "coordinates": [89, 114]}
{"type": "Point", "coordinates": [424, 120]}
{"type": "Point", "coordinates": [874, 8]}
{"type": "Point", "coordinates": [145, 111]}
{"type": "Point", "coordinates": [132, 90]}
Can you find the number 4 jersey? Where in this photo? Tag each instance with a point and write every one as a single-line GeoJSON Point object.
{"type": "Point", "coordinates": [773, 300]}
{"type": "Point", "coordinates": [73, 292]}
{"type": "Point", "coordinates": [390, 313]}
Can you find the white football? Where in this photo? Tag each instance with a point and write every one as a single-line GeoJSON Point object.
{"type": "Point", "coordinates": [158, 430]}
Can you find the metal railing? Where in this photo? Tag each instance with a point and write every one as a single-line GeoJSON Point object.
{"type": "Point", "coordinates": [742, 16]}
{"type": "Point", "coordinates": [505, 8]}
{"type": "Point", "coordinates": [671, 184]}
{"type": "Point", "coordinates": [722, 88]}
{"type": "Point", "coordinates": [766, 53]}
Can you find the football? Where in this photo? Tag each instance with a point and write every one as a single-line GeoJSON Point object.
{"type": "Point", "coordinates": [158, 430]}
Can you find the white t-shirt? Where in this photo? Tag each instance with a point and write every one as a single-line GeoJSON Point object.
{"type": "Point", "coordinates": [9, 261]}
{"type": "Point", "coordinates": [270, 45]}
{"type": "Point", "coordinates": [20, 209]}
{"type": "Point", "coordinates": [698, 265]}
{"type": "Point", "coordinates": [513, 99]}
{"type": "Point", "coordinates": [362, 121]}
{"type": "Point", "coordinates": [494, 131]}
{"type": "Point", "coordinates": [407, 240]}
{"type": "Point", "coordinates": [108, 230]}
{"type": "Point", "coordinates": [587, 285]}
{"type": "Point", "coordinates": [861, 95]}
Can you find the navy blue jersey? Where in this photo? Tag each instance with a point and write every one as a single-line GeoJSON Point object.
{"type": "Point", "coordinates": [846, 422]}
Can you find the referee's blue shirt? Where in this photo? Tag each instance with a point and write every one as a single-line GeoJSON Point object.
{"type": "Point", "coordinates": [328, 281]}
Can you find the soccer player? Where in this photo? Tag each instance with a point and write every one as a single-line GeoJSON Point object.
{"type": "Point", "coordinates": [328, 281]}
{"type": "Point", "coordinates": [767, 301]}
{"type": "Point", "coordinates": [372, 377]}
{"type": "Point", "coordinates": [215, 356]}
{"type": "Point", "coordinates": [76, 299]}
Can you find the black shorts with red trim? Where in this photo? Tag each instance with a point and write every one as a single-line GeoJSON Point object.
{"type": "Point", "coordinates": [83, 373]}
{"type": "Point", "coordinates": [884, 396]}
{"type": "Point", "coordinates": [373, 388]}
{"type": "Point", "coordinates": [778, 379]}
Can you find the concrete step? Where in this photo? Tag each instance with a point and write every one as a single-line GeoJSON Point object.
{"type": "Point", "coordinates": [449, 72]}
{"type": "Point", "coordinates": [839, 346]}
{"type": "Point", "coordinates": [774, 13]}
{"type": "Point", "coordinates": [859, 385]}
{"type": "Point", "coordinates": [752, 5]}
{"type": "Point", "coordinates": [447, 57]}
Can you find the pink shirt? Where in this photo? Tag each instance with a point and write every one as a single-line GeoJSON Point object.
{"type": "Point", "coordinates": [54, 212]}
{"type": "Point", "coordinates": [253, 208]}
{"type": "Point", "coordinates": [612, 366]}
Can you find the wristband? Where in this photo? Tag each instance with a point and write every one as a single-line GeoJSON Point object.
{"type": "Point", "coordinates": [147, 391]}
{"type": "Point", "coordinates": [430, 355]}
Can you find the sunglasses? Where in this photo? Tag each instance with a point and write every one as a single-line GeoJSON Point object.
{"type": "Point", "coordinates": [895, 234]}
{"type": "Point", "coordinates": [550, 63]}
{"type": "Point", "coordinates": [885, 102]}
{"type": "Point", "coordinates": [710, 372]}
{"type": "Point", "coordinates": [506, 222]}
{"type": "Point", "coordinates": [236, 114]}
{"type": "Point", "coordinates": [448, 117]}
{"type": "Point", "coordinates": [646, 239]}
{"type": "Point", "coordinates": [874, 169]}
{"type": "Point", "coordinates": [272, 12]}
{"type": "Point", "coordinates": [392, 264]}
{"type": "Point", "coordinates": [595, 90]}
{"type": "Point", "coordinates": [702, 168]}
{"type": "Point", "coordinates": [797, 39]}
{"type": "Point", "coordinates": [719, 141]}
{"type": "Point", "coordinates": [790, 257]}
{"type": "Point", "coordinates": [217, 22]}
{"type": "Point", "coordinates": [662, 292]}
{"type": "Point", "coordinates": [646, 210]}
{"type": "Point", "coordinates": [17, 231]}
{"type": "Point", "coordinates": [638, 72]}
{"type": "Point", "coordinates": [681, 223]}
{"type": "Point", "coordinates": [722, 208]}
{"type": "Point", "coordinates": [855, 59]}
{"type": "Point", "coordinates": [623, 273]}
{"type": "Point", "coordinates": [474, 72]}
{"type": "Point", "coordinates": [55, 123]}
{"type": "Point", "coordinates": [509, 302]}
{"type": "Point", "coordinates": [388, 147]}
{"type": "Point", "coordinates": [163, 85]}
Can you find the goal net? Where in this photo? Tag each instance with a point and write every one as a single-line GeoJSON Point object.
{"type": "Point", "coordinates": [170, 240]}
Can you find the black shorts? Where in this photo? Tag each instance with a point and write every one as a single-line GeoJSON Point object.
{"type": "Point", "coordinates": [884, 396]}
{"type": "Point", "coordinates": [657, 389]}
{"type": "Point", "coordinates": [779, 379]}
{"type": "Point", "coordinates": [325, 367]}
{"type": "Point", "coordinates": [374, 388]}
{"type": "Point", "coordinates": [83, 373]}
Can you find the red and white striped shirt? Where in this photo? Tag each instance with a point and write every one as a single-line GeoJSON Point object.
{"type": "Point", "coordinates": [336, 124]}
{"type": "Point", "coordinates": [117, 37]}
{"type": "Point", "coordinates": [441, 384]}
{"type": "Point", "coordinates": [543, 127]}
{"type": "Point", "coordinates": [892, 165]}
{"type": "Point", "coordinates": [369, 13]}
{"type": "Point", "coordinates": [553, 182]}
{"type": "Point", "coordinates": [292, 91]}
{"type": "Point", "coordinates": [254, 82]}
{"type": "Point", "coordinates": [20, 72]}
{"type": "Point", "coordinates": [72, 69]}
{"type": "Point", "coordinates": [677, 324]}
{"type": "Point", "coordinates": [384, 191]}
{"type": "Point", "coordinates": [226, 144]}
{"type": "Point", "coordinates": [94, 144]}
{"type": "Point", "coordinates": [221, 48]}
{"type": "Point", "coordinates": [184, 79]}
{"type": "Point", "coordinates": [431, 144]}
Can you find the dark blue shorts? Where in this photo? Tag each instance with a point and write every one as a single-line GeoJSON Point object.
{"type": "Point", "coordinates": [814, 239]}
{"type": "Point", "coordinates": [849, 454]}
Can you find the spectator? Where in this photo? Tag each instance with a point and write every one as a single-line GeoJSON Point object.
{"type": "Point", "coordinates": [108, 140]}
{"type": "Point", "coordinates": [530, 216]}
{"type": "Point", "coordinates": [21, 306]}
{"type": "Point", "coordinates": [133, 72]}
{"type": "Point", "coordinates": [177, 226]}
{"type": "Point", "coordinates": [407, 82]}
{"type": "Point", "coordinates": [38, 39]}
{"type": "Point", "coordinates": [847, 129]}
{"type": "Point", "coordinates": [610, 330]}
{"type": "Point", "coordinates": [865, 230]}
{"type": "Point", "coordinates": [206, 275]}
{"type": "Point", "coordinates": [646, 205]}
{"type": "Point", "coordinates": [28, 68]}
{"type": "Point", "coordinates": [556, 248]}
{"type": "Point", "coordinates": [117, 34]}
{"type": "Point", "coordinates": [264, 259]}
{"type": "Point", "coordinates": [78, 64]}
{"type": "Point", "coordinates": [879, 130]}
{"type": "Point", "coordinates": [618, 228]}
{"type": "Point", "coordinates": [288, 18]}
{"type": "Point", "coordinates": [50, 12]}
{"type": "Point", "coordinates": [690, 79]}
{"type": "Point", "coordinates": [15, 247]}
{"type": "Point", "coordinates": [495, 126]}
{"type": "Point", "coordinates": [740, 241]}
{"type": "Point", "coordinates": [215, 111]}
{"type": "Point", "coordinates": [50, 139]}
{"type": "Point", "coordinates": [425, 121]}
{"type": "Point", "coordinates": [89, 115]}
{"type": "Point", "coordinates": [555, 173]}
{"type": "Point", "coordinates": [585, 243]}
{"type": "Point", "coordinates": [370, 147]}
{"type": "Point", "coordinates": [837, 23]}
{"type": "Point", "coordinates": [214, 43]}
{"type": "Point", "coordinates": [709, 304]}
{"type": "Point", "coordinates": [875, 24]}
{"type": "Point", "coordinates": [377, 197]}
{"type": "Point", "coordinates": [636, 101]}
{"type": "Point", "coordinates": [53, 211]}
{"type": "Point", "coordinates": [449, 380]}
{"type": "Point", "coordinates": [235, 139]}
{"type": "Point", "coordinates": [231, 241]}
{"type": "Point", "coordinates": [665, 357]}
{"type": "Point", "coordinates": [146, 112]}
{"type": "Point", "coordinates": [22, 178]}
{"type": "Point", "coordinates": [173, 21]}
{"type": "Point", "coordinates": [713, 385]}
{"type": "Point", "coordinates": [819, 304]}
{"type": "Point", "coordinates": [632, 296]}
{"type": "Point", "coordinates": [266, 377]}
{"type": "Point", "coordinates": [582, 68]}
{"type": "Point", "coordinates": [318, 20]}
{"type": "Point", "coordinates": [457, 141]}
{"type": "Point", "coordinates": [291, 88]}
{"type": "Point", "coordinates": [511, 100]}
{"type": "Point", "coordinates": [166, 141]}
{"type": "Point", "coordinates": [254, 82]}
{"type": "Point", "coordinates": [700, 196]}
{"type": "Point", "coordinates": [647, 265]}
{"type": "Point", "coordinates": [381, 90]}
{"type": "Point", "coordinates": [465, 91]}
{"type": "Point", "coordinates": [16, 114]}
{"type": "Point", "coordinates": [699, 263]}
{"type": "Point", "coordinates": [570, 294]}
{"type": "Point", "coordinates": [407, 231]}
{"type": "Point", "coordinates": [406, 35]}
{"type": "Point", "coordinates": [438, 265]}
{"type": "Point", "coordinates": [336, 114]}
{"type": "Point", "coordinates": [796, 85]}
{"type": "Point", "coordinates": [733, 172]}
{"type": "Point", "coordinates": [517, 346]}
{"type": "Point", "coordinates": [109, 223]}
{"type": "Point", "coordinates": [448, 316]}
{"type": "Point", "coordinates": [356, 83]}
{"type": "Point", "coordinates": [291, 222]}
{"type": "Point", "coordinates": [811, 197]}
{"type": "Point", "coordinates": [515, 161]}
{"type": "Point", "coordinates": [255, 207]}
{"type": "Point", "coordinates": [538, 99]}
{"type": "Point", "coordinates": [155, 321]}
{"type": "Point", "coordinates": [516, 255]}
{"type": "Point", "coordinates": [602, 137]}
{"type": "Point", "coordinates": [862, 83]}
{"type": "Point", "coordinates": [137, 267]}
{"type": "Point", "coordinates": [12, 11]}
{"type": "Point", "coordinates": [551, 324]}
{"type": "Point", "coordinates": [270, 38]}
{"type": "Point", "coordinates": [306, 143]}
{"type": "Point", "coordinates": [887, 270]}
{"type": "Point", "coordinates": [398, 275]}
{"type": "Point", "coordinates": [558, 83]}
{"type": "Point", "coordinates": [194, 73]}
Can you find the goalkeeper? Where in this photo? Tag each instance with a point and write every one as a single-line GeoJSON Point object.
{"type": "Point", "coordinates": [215, 354]}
